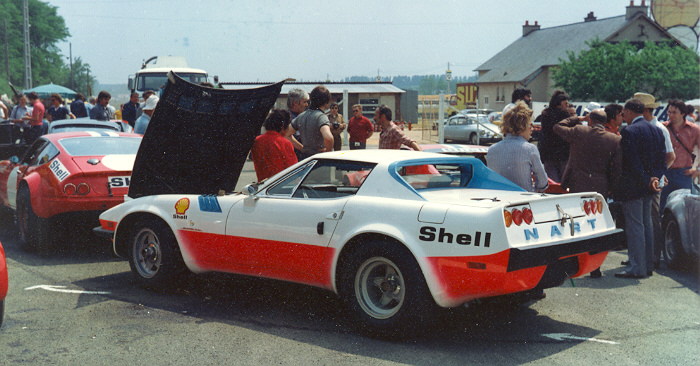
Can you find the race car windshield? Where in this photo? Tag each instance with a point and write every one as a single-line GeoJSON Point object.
{"type": "Point", "coordinates": [92, 146]}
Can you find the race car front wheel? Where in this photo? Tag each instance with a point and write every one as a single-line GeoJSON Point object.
{"type": "Point", "coordinates": [34, 231]}
{"type": "Point", "coordinates": [385, 290]}
{"type": "Point", "coordinates": [154, 257]}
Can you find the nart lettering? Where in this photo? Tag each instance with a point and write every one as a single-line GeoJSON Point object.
{"type": "Point", "coordinates": [556, 230]}
{"type": "Point", "coordinates": [429, 233]}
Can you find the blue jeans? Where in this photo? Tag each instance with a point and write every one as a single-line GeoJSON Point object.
{"type": "Point", "coordinates": [676, 180]}
{"type": "Point", "coordinates": [640, 235]}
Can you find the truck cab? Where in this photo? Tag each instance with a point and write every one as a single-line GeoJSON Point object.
{"type": "Point", "coordinates": [153, 73]}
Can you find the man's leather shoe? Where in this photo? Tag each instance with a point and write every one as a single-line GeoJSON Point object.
{"type": "Point", "coordinates": [625, 274]}
{"type": "Point", "coordinates": [625, 263]}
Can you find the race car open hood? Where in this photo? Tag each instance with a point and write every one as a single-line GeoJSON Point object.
{"type": "Point", "coordinates": [198, 138]}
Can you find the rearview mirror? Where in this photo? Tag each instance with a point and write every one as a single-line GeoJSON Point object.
{"type": "Point", "coordinates": [249, 190]}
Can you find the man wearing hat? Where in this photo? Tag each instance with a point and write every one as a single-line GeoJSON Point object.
{"type": "Point", "coordinates": [650, 104]}
{"type": "Point", "coordinates": [642, 166]}
{"type": "Point", "coordinates": [591, 107]}
{"type": "Point", "coordinates": [142, 122]}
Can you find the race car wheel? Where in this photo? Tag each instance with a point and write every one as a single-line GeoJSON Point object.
{"type": "Point", "coordinates": [385, 290]}
{"type": "Point", "coordinates": [34, 231]}
{"type": "Point", "coordinates": [472, 139]}
{"type": "Point", "coordinates": [154, 257]}
{"type": "Point", "coordinates": [673, 248]}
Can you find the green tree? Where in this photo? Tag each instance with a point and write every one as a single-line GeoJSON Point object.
{"type": "Point", "coordinates": [613, 72]}
{"type": "Point", "coordinates": [48, 64]}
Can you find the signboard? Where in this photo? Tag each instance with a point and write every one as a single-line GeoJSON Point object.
{"type": "Point", "coordinates": [467, 94]}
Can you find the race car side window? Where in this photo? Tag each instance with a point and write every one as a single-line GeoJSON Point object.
{"type": "Point", "coordinates": [49, 152]}
{"type": "Point", "coordinates": [287, 185]}
{"type": "Point", "coordinates": [333, 179]}
{"type": "Point", "coordinates": [30, 157]}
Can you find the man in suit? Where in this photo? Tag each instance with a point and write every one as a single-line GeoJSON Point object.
{"type": "Point", "coordinates": [643, 164]}
{"type": "Point", "coordinates": [595, 156]}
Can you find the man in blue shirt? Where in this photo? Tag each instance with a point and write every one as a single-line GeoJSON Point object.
{"type": "Point", "coordinates": [129, 109]}
{"type": "Point", "coordinates": [77, 107]}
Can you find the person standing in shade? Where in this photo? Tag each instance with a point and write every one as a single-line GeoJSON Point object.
{"type": "Point", "coordinates": [643, 164]}
{"type": "Point", "coordinates": [359, 128]}
{"type": "Point", "coordinates": [272, 152]}
{"type": "Point", "coordinates": [20, 110]}
{"type": "Point", "coordinates": [35, 119]}
{"type": "Point", "coordinates": [337, 126]}
{"type": "Point", "coordinates": [129, 109]}
{"type": "Point", "coordinates": [101, 111]}
{"type": "Point", "coordinates": [313, 124]}
{"type": "Point", "coordinates": [613, 113]}
{"type": "Point", "coordinates": [141, 123]}
{"type": "Point", "coordinates": [519, 94]}
{"type": "Point", "coordinates": [77, 107]}
{"type": "Point", "coordinates": [391, 136]}
{"type": "Point", "coordinates": [58, 111]}
{"type": "Point", "coordinates": [553, 149]}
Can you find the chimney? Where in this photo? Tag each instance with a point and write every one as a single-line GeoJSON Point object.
{"type": "Point", "coordinates": [527, 28]}
{"type": "Point", "coordinates": [589, 18]}
{"type": "Point", "coordinates": [632, 9]}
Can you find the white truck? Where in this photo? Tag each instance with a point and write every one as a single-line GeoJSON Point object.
{"type": "Point", "coordinates": [153, 73]}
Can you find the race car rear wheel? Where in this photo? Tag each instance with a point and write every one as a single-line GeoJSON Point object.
{"type": "Point", "coordinates": [2, 311]}
{"type": "Point", "coordinates": [673, 248]}
{"type": "Point", "coordinates": [34, 231]}
{"type": "Point", "coordinates": [385, 290]}
{"type": "Point", "coordinates": [154, 256]}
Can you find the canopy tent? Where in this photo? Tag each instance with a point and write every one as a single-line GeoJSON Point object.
{"type": "Point", "coordinates": [45, 91]}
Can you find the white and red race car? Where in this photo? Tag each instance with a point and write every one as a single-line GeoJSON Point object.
{"type": "Point", "coordinates": [393, 233]}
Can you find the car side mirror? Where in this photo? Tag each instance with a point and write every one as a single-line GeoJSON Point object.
{"type": "Point", "coordinates": [249, 190]}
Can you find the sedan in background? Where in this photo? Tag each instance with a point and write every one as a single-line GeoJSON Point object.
{"type": "Point", "coordinates": [464, 127]}
{"type": "Point", "coordinates": [87, 124]}
{"type": "Point", "coordinates": [70, 176]}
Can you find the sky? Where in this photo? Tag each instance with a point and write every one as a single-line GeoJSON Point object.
{"type": "Point", "coordinates": [308, 40]}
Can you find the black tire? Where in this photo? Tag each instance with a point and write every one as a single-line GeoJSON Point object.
{"type": "Point", "coordinates": [2, 311]}
{"type": "Point", "coordinates": [154, 255]}
{"type": "Point", "coordinates": [34, 231]}
{"type": "Point", "coordinates": [472, 139]}
{"type": "Point", "coordinates": [384, 290]}
{"type": "Point", "coordinates": [676, 257]}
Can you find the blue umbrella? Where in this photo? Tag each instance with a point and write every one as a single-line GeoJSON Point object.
{"type": "Point", "coordinates": [45, 91]}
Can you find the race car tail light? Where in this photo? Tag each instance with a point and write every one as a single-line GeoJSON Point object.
{"type": "Point", "coordinates": [83, 189]}
{"type": "Point", "coordinates": [518, 216]}
{"type": "Point", "coordinates": [592, 206]}
{"type": "Point", "coordinates": [508, 217]}
{"type": "Point", "coordinates": [69, 189]}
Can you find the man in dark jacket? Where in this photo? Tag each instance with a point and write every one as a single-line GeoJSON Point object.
{"type": "Point", "coordinates": [554, 151]}
{"type": "Point", "coordinates": [643, 161]}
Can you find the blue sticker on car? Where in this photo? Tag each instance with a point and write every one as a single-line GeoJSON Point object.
{"type": "Point", "coordinates": [209, 203]}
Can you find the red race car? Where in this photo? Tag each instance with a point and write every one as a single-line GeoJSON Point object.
{"type": "Point", "coordinates": [71, 176]}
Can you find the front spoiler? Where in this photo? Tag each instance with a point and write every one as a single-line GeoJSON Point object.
{"type": "Point", "coordinates": [542, 256]}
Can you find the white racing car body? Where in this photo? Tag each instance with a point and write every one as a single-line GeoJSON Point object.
{"type": "Point", "coordinates": [392, 232]}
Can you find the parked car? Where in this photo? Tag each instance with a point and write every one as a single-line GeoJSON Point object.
{"type": "Point", "coordinates": [465, 128]}
{"type": "Point", "coordinates": [3, 283]}
{"type": "Point", "coordinates": [393, 234]}
{"type": "Point", "coordinates": [484, 111]}
{"type": "Point", "coordinates": [70, 175]}
{"type": "Point", "coordinates": [11, 142]}
{"type": "Point", "coordinates": [681, 229]}
{"type": "Point", "coordinates": [87, 124]}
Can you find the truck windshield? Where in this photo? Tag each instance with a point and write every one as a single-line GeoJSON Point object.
{"type": "Point", "coordinates": [154, 81]}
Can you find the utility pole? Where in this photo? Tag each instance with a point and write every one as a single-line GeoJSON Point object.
{"type": "Point", "coordinates": [70, 53]}
{"type": "Point", "coordinates": [448, 77]}
{"type": "Point", "coordinates": [27, 48]}
{"type": "Point", "coordinates": [7, 54]}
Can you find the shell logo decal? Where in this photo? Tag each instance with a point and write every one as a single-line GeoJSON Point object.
{"type": "Point", "coordinates": [181, 207]}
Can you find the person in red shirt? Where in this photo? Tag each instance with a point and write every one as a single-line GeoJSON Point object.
{"type": "Point", "coordinates": [359, 129]}
{"type": "Point", "coordinates": [272, 152]}
{"type": "Point", "coordinates": [36, 120]}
